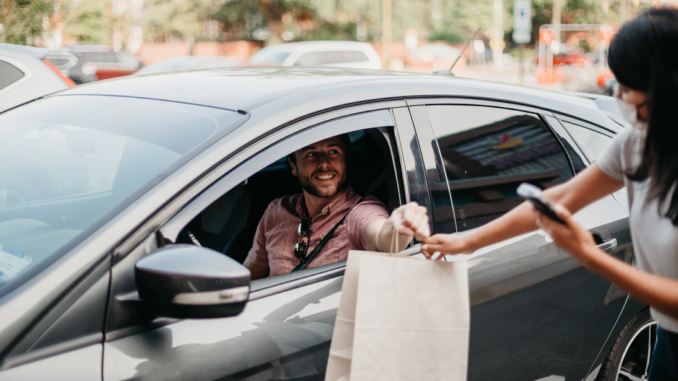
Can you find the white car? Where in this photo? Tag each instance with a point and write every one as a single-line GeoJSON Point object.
{"type": "Point", "coordinates": [25, 74]}
{"type": "Point", "coordinates": [360, 55]}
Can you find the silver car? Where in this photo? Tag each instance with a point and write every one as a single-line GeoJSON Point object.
{"type": "Point", "coordinates": [135, 202]}
{"type": "Point", "coordinates": [26, 75]}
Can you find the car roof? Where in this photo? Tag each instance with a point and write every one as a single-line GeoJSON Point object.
{"type": "Point", "coordinates": [38, 53]}
{"type": "Point", "coordinates": [318, 45]}
{"type": "Point", "coordinates": [311, 89]}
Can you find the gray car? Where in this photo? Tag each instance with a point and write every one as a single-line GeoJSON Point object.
{"type": "Point", "coordinates": [25, 75]}
{"type": "Point", "coordinates": [137, 199]}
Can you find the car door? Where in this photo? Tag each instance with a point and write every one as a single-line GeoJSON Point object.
{"type": "Point", "coordinates": [536, 312]}
{"type": "Point", "coordinates": [285, 330]}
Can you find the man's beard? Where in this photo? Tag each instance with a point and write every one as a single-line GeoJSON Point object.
{"type": "Point", "coordinates": [309, 187]}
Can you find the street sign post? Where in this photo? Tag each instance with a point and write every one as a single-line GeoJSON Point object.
{"type": "Point", "coordinates": [522, 29]}
{"type": "Point", "coordinates": [522, 21]}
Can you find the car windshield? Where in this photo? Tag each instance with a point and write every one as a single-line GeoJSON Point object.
{"type": "Point", "coordinates": [73, 162]}
{"type": "Point", "coordinates": [265, 56]}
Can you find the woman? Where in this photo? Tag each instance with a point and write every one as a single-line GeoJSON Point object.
{"type": "Point", "coordinates": [644, 58]}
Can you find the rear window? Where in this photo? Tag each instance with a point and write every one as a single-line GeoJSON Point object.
{"type": "Point", "coordinates": [264, 56]}
{"type": "Point", "coordinates": [77, 161]}
{"type": "Point", "coordinates": [331, 57]}
{"type": "Point", "coordinates": [106, 57]}
{"type": "Point", "coordinates": [9, 74]}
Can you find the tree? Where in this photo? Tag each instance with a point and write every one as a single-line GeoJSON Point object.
{"type": "Point", "coordinates": [89, 22]}
{"type": "Point", "coordinates": [181, 19]}
{"type": "Point", "coordinates": [22, 20]}
{"type": "Point", "coordinates": [266, 19]}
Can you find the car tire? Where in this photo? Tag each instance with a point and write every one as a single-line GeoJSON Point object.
{"type": "Point", "coordinates": [629, 358]}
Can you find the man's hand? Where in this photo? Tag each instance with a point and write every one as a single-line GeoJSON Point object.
{"type": "Point", "coordinates": [411, 221]}
{"type": "Point", "coordinates": [446, 244]}
{"type": "Point", "coordinates": [571, 237]}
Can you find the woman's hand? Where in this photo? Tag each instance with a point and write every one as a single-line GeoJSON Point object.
{"type": "Point", "coordinates": [446, 244]}
{"type": "Point", "coordinates": [572, 237]}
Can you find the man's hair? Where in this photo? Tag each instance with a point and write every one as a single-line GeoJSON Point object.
{"type": "Point", "coordinates": [345, 140]}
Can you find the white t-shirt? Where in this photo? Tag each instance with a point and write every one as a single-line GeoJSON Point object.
{"type": "Point", "coordinates": [655, 238]}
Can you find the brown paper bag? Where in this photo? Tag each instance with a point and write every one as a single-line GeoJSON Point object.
{"type": "Point", "coordinates": [401, 318]}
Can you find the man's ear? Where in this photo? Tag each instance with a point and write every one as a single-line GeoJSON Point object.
{"type": "Point", "coordinates": [294, 167]}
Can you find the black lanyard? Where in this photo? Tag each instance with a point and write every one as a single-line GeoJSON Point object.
{"type": "Point", "coordinates": [327, 237]}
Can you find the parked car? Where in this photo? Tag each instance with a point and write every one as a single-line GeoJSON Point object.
{"type": "Point", "coordinates": [131, 204]}
{"type": "Point", "coordinates": [189, 63]}
{"type": "Point", "coordinates": [96, 62]}
{"type": "Point", "coordinates": [25, 75]}
{"type": "Point", "coordinates": [349, 54]}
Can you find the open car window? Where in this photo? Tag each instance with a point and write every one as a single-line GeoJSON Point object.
{"type": "Point", "coordinates": [228, 225]}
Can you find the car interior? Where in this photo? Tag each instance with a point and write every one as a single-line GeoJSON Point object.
{"type": "Point", "coordinates": [229, 224]}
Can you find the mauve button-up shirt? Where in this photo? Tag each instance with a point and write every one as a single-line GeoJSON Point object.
{"type": "Point", "coordinates": [276, 235]}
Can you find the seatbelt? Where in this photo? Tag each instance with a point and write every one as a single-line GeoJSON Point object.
{"type": "Point", "coordinates": [327, 237]}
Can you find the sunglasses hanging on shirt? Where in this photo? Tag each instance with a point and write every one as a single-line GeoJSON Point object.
{"type": "Point", "coordinates": [304, 231]}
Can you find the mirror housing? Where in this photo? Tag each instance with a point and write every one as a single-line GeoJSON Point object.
{"type": "Point", "coordinates": [186, 281]}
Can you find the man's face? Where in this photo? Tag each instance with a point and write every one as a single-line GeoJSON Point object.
{"type": "Point", "coordinates": [321, 168]}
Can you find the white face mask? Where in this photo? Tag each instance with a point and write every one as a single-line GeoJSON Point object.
{"type": "Point", "coordinates": [630, 113]}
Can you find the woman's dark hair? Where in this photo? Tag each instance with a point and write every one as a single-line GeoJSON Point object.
{"type": "Point", "coordinates": [644, 56]}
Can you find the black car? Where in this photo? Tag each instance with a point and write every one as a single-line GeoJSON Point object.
{"type": "Point", "coordinates": [88, 63]}
{"type": "Point", "coordinates": [182, 166]}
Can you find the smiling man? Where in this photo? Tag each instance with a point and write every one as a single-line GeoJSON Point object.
{"type": "Point", "coordinates": [292, 226]}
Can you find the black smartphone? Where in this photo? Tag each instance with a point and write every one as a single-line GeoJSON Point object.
{"type": "Point", "coordinates": [533, 194]}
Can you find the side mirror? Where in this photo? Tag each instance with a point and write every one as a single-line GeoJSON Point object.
{"type": "Point", "coordinates": [186, 281]}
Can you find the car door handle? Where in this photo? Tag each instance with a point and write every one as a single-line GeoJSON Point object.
{"type": "Point", "coordinates": [608, 245]}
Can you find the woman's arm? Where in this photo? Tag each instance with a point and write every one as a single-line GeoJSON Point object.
{"type": "Point", "coordinates": [660, 293]}
{"type": "Point", "coordinates": [588, 186]}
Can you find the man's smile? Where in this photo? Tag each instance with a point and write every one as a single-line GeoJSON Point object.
{"type": "Point", "coordinates": [325, 176]}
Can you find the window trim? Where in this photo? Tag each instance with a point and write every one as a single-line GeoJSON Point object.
{"type": "Point", "coordinates": [583, 152]}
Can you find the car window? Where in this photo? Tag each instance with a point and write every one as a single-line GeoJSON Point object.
{"type": "Point", "coordinates": [103, 57]}
{"type": "Point", "coordinates": [487, 152]}
{"type": "Point", "coordinates": [229, 224]}
{"type": "Point", "coordinates": [9, 74]}
{"type": "Point", "coordinates": [266, 56]}
{"type": "Point", "coordinates": [126, 58]}
{"type": "Point", "coordinates": [331, 57]}
{"type": "Point", "coordinates": [78, 160]}
{"type": "Point", "coordinates": [592, 142]}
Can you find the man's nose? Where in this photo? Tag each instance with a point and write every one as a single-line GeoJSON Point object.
{"type": "Point", "coordinates": [324, 161]}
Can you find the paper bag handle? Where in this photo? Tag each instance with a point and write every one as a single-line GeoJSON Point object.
{"type": "Point", "coordinates": [394, 238]}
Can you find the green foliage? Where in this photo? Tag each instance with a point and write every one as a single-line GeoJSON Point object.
{"type": "Point", "coordinates": [448, 36]}
{"type": "Point", "coordinates": [176, 18]}
{"type": "Point", "coordinates": [88, 22]}
{"type": "Point", "coordinates": [23, 20]}
{"type": "Point", "coordinates": [252, 19]}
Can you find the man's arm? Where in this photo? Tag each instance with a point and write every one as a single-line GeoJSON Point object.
{"type": "Point", "coordinates": [256, 271]}
{"type": "Point", "coordinates": [258, 250]}
{"type": "Point", "coordinates": [583, 189]}
{"type": "Point", "coordinates": [411, 221]}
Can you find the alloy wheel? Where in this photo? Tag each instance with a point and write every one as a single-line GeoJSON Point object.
{"type": "Point", "coordinates": [635, 362]}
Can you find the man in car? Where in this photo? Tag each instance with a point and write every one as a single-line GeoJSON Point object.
{"type": "Point", "coordinates": [292, 226]}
